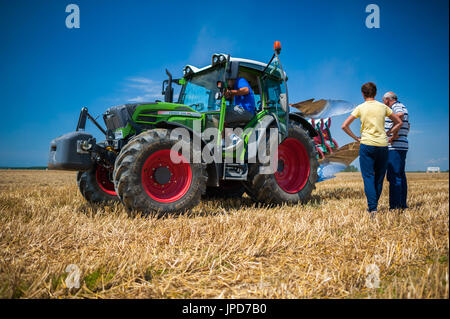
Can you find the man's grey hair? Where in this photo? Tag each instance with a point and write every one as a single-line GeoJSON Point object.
{"type": "Point", "coordinates": [390, 96]}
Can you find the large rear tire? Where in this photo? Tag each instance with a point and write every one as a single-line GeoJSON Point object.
{"type": "Point", "coordinates": [296, 174]}
{"type": "Point", "coordinates": [146, 179]}
{"type": "Point", "coordinates": [96, 185]}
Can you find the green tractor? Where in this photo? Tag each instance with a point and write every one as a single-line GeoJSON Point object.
{"type": "Point", "coordinates": [164, 156]}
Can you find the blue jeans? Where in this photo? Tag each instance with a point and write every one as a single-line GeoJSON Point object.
{"type": "Point", "coordinates": [373, 163]}
{"type": "Point", "coordinates": [398, 187]}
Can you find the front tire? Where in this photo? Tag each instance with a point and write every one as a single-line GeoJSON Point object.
{"type": "Point", "coordinates": [146, 179]}
{"type": "Point", "coordinates": [96, 185]}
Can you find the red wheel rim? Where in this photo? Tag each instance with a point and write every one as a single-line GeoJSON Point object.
{"type": "Point", "coordinates": [294, 160]}
{"type": "Point", "coordinates": [178, 183]}
{"type": "Point", "coordinates": [102, 175]}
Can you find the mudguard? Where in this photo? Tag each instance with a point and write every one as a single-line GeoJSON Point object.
{"type": "Point", "coordinates": [270, 120]}
{"type": "Point", "coordinates": [295, 117]}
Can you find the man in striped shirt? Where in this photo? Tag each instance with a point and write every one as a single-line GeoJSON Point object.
{"type": "Point", "coordinates": [398, 147]}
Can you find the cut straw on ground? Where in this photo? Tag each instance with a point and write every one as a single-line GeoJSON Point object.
{"type": "Point", "coordinates": [223, 248]}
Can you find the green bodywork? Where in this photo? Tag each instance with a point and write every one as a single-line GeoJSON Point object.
{"type": "Point", "coordinates": [142, 117]}
{"type": "Point", "coordinates": [187, 119]}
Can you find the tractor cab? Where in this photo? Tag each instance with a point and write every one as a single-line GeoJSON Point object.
{"type": "Point", "coordinates": [202, 89]}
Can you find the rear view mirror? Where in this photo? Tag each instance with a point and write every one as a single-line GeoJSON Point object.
{"type": "Point", "coordinates": [220, 86]}
{"type": "Point", "coordinates": [283, 102]}
{"type": "Point", "coordinates": [167, 91]}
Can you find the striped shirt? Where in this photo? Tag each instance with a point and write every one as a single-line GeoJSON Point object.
{"type": "Point", "coordinates": [401, 143]}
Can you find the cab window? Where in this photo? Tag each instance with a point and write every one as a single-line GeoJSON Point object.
{"type": "Point", "coordinates": [272, 90]}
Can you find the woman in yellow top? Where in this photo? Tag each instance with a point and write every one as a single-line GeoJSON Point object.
{"type": "Point", "coordinates": [373, 151]}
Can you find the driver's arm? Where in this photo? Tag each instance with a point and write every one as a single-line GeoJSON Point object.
{"type": "Point", "coordinates": [241, 91]}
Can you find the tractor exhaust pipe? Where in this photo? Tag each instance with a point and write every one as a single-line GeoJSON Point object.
{"type": "Point", "coordinates": [167, 91]}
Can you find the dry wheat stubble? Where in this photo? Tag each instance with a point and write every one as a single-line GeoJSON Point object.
{"type": "Point", "coordinates": [225, 249]}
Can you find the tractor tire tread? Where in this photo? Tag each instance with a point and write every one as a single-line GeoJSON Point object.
{"type": "Point", "coordinates": [127, 176]}
{"type": "Point", "coordinates": [88, 186]}
{"type": "Point", "coordinates": [264, 188]}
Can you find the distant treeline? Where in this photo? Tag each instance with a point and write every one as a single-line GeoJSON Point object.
{"type": "Point", "coordinates": [351, 168]}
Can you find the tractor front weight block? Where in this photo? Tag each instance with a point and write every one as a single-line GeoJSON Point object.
{"type": "Point", "coordinates": [68, 152]}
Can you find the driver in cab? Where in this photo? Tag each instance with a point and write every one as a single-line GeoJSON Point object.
{"type": "Point", "coordinates": [242, 107]}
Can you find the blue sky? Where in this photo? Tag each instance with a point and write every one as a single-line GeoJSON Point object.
{"type": "Point", "coordinates": [119, 54]}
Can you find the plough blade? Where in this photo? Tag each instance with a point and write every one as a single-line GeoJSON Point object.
{"type": "Point", "coordinates": [337, 161]}
{"type": "Point", "coordinates": [323, 108]}
{"type": "Point", "coordinates": [344, 155]}
{"type": "Point", "coordinates": [331, 161]}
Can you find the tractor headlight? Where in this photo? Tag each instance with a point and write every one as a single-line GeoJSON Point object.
{"type": "Point", "coordinates": [187, 71]}
{"type": "Point", "coordinates": [218, 58]}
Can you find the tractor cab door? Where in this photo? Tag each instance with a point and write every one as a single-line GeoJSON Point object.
{"type": "Point", "coordinates": [275, 97]}
{"type": "Point", "coordinates": [199, 93]}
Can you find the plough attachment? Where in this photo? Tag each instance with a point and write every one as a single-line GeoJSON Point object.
{"type": "Point", "coordinates": [321, 109]}
{"type": "Point", "coordinates": [332, 159]}
{"type": "Point", "coordinates": [344, 155]}
{"type": "Point", "coordinates": [325, 144]}
{"type": "Point", "coordinates": [337, 161]}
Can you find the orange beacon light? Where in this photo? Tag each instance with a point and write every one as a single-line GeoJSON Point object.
{"type": "Point", "coordinates": [277, 47]}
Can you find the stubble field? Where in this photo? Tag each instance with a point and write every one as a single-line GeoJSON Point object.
{"type": "Point", "coordinates": [328, 248]}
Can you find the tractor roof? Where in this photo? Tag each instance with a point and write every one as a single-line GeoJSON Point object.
{"type": "Point", "coordinates": [251, 64]}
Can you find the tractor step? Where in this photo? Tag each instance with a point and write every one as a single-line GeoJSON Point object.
{"type": "Point", "coordinates": [235, 171]}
